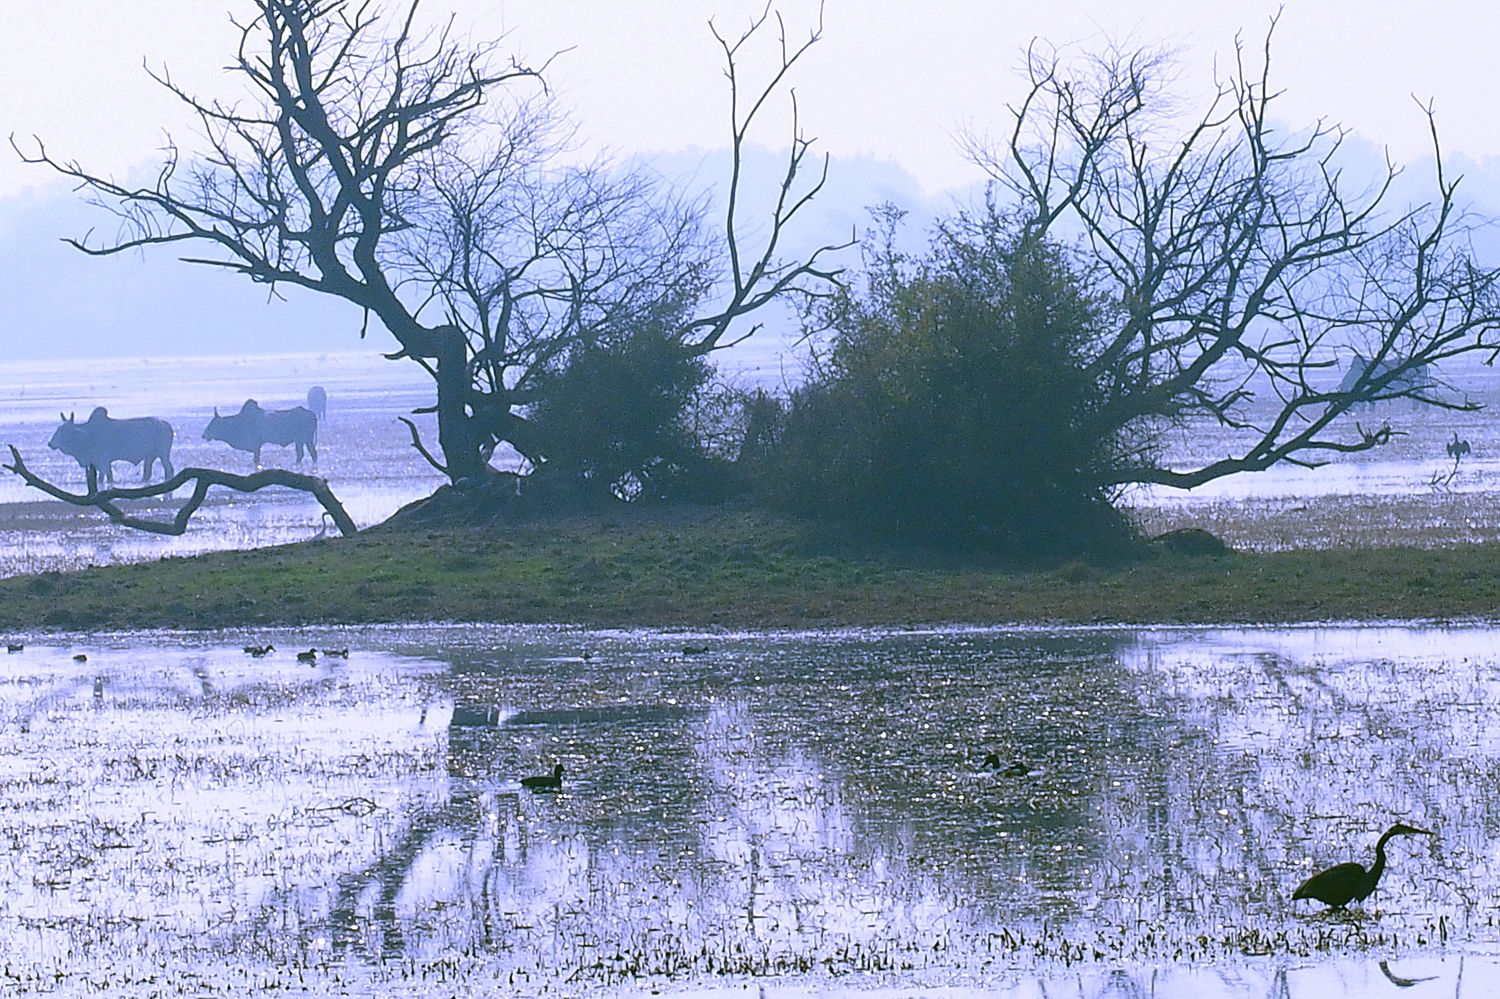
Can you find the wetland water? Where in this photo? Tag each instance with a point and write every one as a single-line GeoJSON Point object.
{"type": "Point", "coordinates": [792, 814]}
{"type": "Point", "coordinates": [1409, 490]}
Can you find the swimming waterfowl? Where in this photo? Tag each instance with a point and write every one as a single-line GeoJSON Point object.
{"type": "Point", "coordinates": [259, 650]}
{"type": "Point", "coordinates": [337, 653]}
{"type": "Point", "coordinates": [1015, 769]}
{"type": "Point", "coordinates": [80, 658]}
{"type": "Point", "coordinates": [545, 783]}
{"type": "Point", "coordinates": [14, 646]}
{"type": "Point", "coordinates": [310, 656]}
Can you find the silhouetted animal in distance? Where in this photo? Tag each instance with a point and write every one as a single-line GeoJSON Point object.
{"type": "Point", "coordinates": [259, 650]}
{"type": "Point", "coordinates": [545, 783]}
{"type": "Point", "coordinates": [1413, 379]}
{"type": "Point", "coordinates": [252, 428]}
{"type": "Point", "coordinates": [101, 440]}
{"type": "Point", "coordinates": [310, 656]}
{"type": "Point", "coordinates": [317, 401]}
{"type": "Point", "coordinates": [1338, 886]}
{"type": "Point", "coordinates": [1457, 448]}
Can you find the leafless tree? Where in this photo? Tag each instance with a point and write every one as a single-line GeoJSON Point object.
{"type": "Point", "coordinates": [416, 178]}
{"type": "Point", "coordinates": [1246, 266]}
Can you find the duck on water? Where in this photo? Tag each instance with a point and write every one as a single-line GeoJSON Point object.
{"type": "Point", "coordinates": [545, 783]}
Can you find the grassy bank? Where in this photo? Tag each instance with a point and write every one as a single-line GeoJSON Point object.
{"type": "Point", "coordinates": [734, 570]}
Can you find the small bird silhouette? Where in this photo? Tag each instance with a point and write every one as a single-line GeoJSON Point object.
{"type": "Point", "coordinates": [694, 650]}
{"type": "Point", "coordinates": [14, 646]}
{"type": "Point", "coordinates": [1338, 886]}
{"type": "Point", "coordinates": [80, 658]}
{"type": "Point", "coordinates": [545, 783]}
{"type": "Point", "coordinates": [336, 653]}
{"type": "Point", "coordinates": [259, 650]}
{"type": "Point", "coordinates": [310, 656]}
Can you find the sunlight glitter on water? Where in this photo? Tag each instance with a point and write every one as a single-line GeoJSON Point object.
{"type": "Point", "coordinates": [796, 811]}
{"type": "Point", "coordinates": [366, 454]}
{"type": "Point", "coordinates": [364, 451]}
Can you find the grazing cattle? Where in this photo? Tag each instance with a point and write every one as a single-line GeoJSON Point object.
{"type": "Point", "coordinates": [317, 401]}
{"type": "Point", "coordinates": [100, 441]}
{"type": "Point", "coordinates": [1413, 379]}
{"type": "Point", "coordinates": [252, 428]}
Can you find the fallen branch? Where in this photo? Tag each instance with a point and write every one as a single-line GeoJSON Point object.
{"type": "Point", "coordinates": [416, 442]}
{"type": "Point", "coordinates": [202, 477]}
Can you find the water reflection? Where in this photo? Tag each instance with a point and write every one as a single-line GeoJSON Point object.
{"type": "Point", "coordinates": [781, 806]}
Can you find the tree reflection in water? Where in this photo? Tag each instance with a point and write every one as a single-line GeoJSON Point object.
{"type": "Point", "coordinates": [782, 804]}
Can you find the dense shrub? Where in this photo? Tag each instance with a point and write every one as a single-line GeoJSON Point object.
{"type": "Point", "coordinates": [956, 401]}
{"type": "Point", "coordinates": [611, 419]}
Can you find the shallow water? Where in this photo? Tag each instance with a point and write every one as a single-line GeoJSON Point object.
{"type": "Point", "coordinates": [808, 813]}
{"type": "Point", "coordinates": [364, 451]}
{"type": "Point", "coordinates": [1409, 491]}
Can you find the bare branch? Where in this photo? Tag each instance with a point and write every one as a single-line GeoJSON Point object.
{"type": "Point", "coordinates": [202, 478]}
{"type": "Point", "coordinates": [416, 442]}
{"type": "Point", "coordinates": [1243, 268]}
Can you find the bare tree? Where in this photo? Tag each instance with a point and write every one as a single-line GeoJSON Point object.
{"type": "Point", "coordinates": [415, 178]}
{"type": "Point", "coordinates": [1245, 265]}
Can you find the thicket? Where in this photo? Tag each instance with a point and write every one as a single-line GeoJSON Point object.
{"type": "Point", "coordinates": [612, 419]}
{"type": "Point", "coordinates": [954, 402]}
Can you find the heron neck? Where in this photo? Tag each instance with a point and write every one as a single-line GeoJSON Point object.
{"type": "Point", "coordinates": [1379, 864]}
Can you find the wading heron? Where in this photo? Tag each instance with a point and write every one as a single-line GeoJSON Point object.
{"type": "Point", "coordinates": [1338, 886]}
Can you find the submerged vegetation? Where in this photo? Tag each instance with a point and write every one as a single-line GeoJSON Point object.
{"type": "Point", "coordinates": [761, 805]}
{"type": "Point", "coordinates": [724, 567]}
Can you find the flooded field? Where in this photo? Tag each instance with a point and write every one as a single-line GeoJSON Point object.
{"type": "Point", "coordinates": [782, 814]}
{"type": "Point", "coordinates": [1409, 491]}
{"type": "Point", "coordinates": [364, 451]}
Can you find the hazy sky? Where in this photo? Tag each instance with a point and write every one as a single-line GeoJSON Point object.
{"type": "Point", "coordinates": [894, 78]}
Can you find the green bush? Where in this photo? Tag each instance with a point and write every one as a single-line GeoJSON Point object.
{"type": "Point", "coordinates": [957, 401]}
{"type": "Point", "coordinates": [611, 419]}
